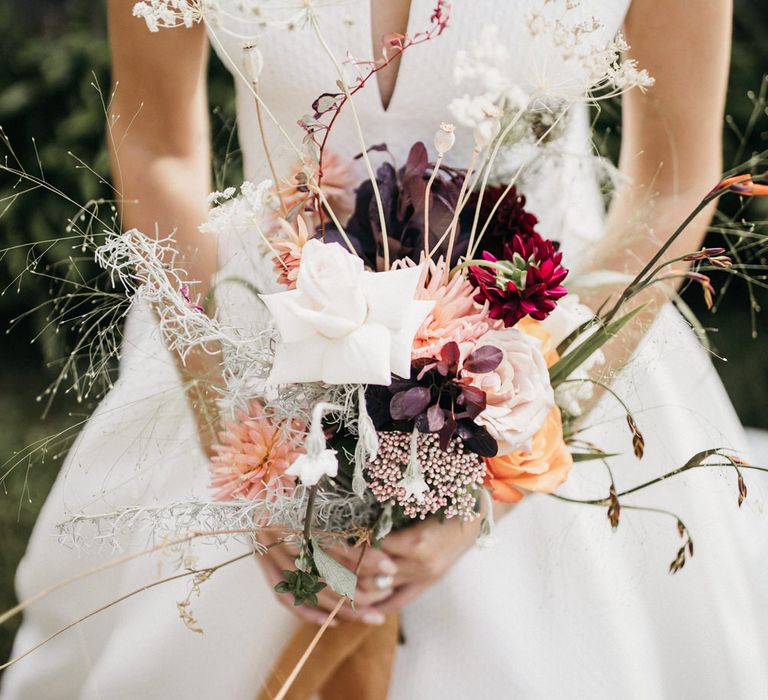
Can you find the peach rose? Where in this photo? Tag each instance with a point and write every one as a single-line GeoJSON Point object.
{"type": "Point", "coordinates": [542, 469]}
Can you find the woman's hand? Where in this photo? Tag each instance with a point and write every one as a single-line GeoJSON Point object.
{"type": "Point", "coordinates": [423, 554]}
{"type": "Point", "coordinates": [374, 563]}
{"type": "Point", "coordinates": [408, 563]}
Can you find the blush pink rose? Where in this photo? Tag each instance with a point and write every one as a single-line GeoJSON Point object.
{"type": "Point", "coordinates": [518, 393]}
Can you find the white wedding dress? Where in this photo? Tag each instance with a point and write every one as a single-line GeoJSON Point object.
{"type": "Point", "coordinates": [562, 607]}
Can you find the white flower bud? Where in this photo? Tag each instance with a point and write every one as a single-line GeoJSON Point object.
{"type": "Point", "coordinates": [445, 138]}
{"type": "Point", "coordinates": [487, 130]}
{"type": "Point", "coordinates": [253, 62]}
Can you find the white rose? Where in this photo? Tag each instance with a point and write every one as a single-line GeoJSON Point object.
{"type": "Point", "coordinates": [518, 393]}
{"type": "Point", "coordinates": [342, 324]}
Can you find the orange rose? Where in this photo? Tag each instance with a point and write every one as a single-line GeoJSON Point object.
{"type": "Point", "coordinates": [542, 469]}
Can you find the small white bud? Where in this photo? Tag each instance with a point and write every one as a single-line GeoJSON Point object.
{"type": "Point", "coordinates": [445, 138]}
{"type": "Point", "coordinates": [487, 130]}
{"type": "Point", "coordinates": [253, 62]}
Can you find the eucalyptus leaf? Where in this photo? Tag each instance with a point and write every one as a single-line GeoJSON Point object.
{"type": "Point", "coordinates": [338, 577]}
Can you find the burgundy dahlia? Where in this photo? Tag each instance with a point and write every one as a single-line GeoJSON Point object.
{"type": "Point", "coordinates": [525, 281]}
{"type": "Point", "coordinates": [509, 220]}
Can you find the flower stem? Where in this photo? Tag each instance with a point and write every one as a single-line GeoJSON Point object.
{"type": "Point", "coordinates": [309, 513]}
{"type": "Point", "coordinates": [283, 692]}
{"type": "Point", "coordinates": [513, 180]}
{"type": "Point", "coordinates": [438, 161]}
{"type": "Point", "coordinates": [267, 152]}
{"type": "Point", "coordinates": [487, 174]}
{"type": "Point", "coordinates": [455, 220]}
{"type": "Point", "coordinates": [639, 281]}
{"type": "Point", "coordinates": [360, 137]}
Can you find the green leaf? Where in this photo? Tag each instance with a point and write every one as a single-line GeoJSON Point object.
{"type": "Point", "coordinates": [589, 456]}
{"type": "Point", "coordinates": [339, 577]}
{"type": "Point", "coordinates": [566, 365]}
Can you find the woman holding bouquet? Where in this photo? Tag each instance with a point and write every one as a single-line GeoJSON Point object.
{"type": "Point", "coordinates": [561, 606]}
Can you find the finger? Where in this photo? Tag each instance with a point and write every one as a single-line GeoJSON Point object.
{"type": "Point", "coordinates": [283, 560]}
{"type": "Point", "coordinates": [380, 583]}
{"type": "Point", "coordinates": [401, 597]}
{"type": "Point", "coordinates": [411, 542]}
{"type": "Point", "coordinates": [374, 561]}
{"type": "Point", "coordinates": [366, 599]}
{"type": "Point", "coordinates": [366, 614]}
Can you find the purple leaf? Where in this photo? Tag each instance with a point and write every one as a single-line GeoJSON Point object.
{"type": "Point", "coordinates": [375, 147]}
{"type": "Point", "coordinates": [450, 353]}
{"type": "Point", "coordinates": [417, 160]}
{"type": "Point", "coordinates": [485, 359]}
{"type": "Point", "coordinates": [481, 442]}
{"type": "Point", "coordinates": [435, 418]}
{"type": "Point", "coordinates": [408, 404]}
{"type": "Point", "coordinates": [474, 399]}
{"type": "Point", "coordinates": [446, 433]}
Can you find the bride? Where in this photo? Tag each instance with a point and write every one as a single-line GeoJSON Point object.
{"type": "Point", "coordinates": [562, 606]}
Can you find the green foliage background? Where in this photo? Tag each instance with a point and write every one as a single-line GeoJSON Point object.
{"type": "Point", "coordinates": [53, 57]}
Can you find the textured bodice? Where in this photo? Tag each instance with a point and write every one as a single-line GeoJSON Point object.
{"type": "Point", "coordinates": [296, 70]}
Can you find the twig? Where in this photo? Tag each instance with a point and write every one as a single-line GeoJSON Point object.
{"type": "Point", "coordinates": [208, 570]}
{"type": "Point", "coordinates": [360, 137]}
{"type": "Point", "coordinates": [455, 220]}
{"type": "Point", "coordinates": [316, 639]}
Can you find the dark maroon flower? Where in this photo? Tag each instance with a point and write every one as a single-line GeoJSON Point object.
{"type": "Point", "coordinates": [526, 281]}
{"type": "Point", "coordinates": [510, 219]}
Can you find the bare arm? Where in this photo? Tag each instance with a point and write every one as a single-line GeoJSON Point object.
{"type": "Point", "coordinates": [160, 147]}
{"type": "Point", "coordinates": [672, 135]}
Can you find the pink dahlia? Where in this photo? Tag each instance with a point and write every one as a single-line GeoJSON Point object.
{"type": "Point", "coordinates": [526, 281]}
{"type": "Point", "coordinates": [455, 316]}
{"type": "Point", "coordinates": [288, 243]}
{"type": "Point", "coordinates": [253, 456]}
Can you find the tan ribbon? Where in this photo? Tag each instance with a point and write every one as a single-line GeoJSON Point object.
{"type": "Point", "coordinates": [351, 661]}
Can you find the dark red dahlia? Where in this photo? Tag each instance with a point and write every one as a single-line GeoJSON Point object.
{"type": "Point", "coordinates": [525, 281]}
{"type": "Point", "coordinates": [510, 219]}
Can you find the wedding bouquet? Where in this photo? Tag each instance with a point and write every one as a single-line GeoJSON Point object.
{"type": "Point", "coordinates": [425, 356]}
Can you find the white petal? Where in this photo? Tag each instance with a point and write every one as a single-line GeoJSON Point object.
{"type": "Point", "coordinates": [402, 340]}
{"type": "Point", "coordinates": [330, 323]}
{"type": "Point", "coordinates": [360, 358]}
{"type": "Point", "coordinates": [389, 293]}
{"type": "Point", "coordinates": [282, 306]}
{"type": "Point", "coordinates": [299, 362]}
{"type": "Point", "coordinates": [311, 469]}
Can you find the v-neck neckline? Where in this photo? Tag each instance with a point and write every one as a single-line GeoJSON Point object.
{"type": "Point", "coordinates": [376, 50]}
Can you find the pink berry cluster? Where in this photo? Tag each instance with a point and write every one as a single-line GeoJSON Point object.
{"type": "Point", "coordinates": [453, 476]}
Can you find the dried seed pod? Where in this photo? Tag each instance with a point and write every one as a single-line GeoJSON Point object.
{"type": "Point", "coordinates": [742, 489]}
{"type": "Point", "coordinates": [638, 441]}
{"type": "Point", "coordinates": [614, 509]}
{"type": "Point", "coordinates": [445, 138]}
